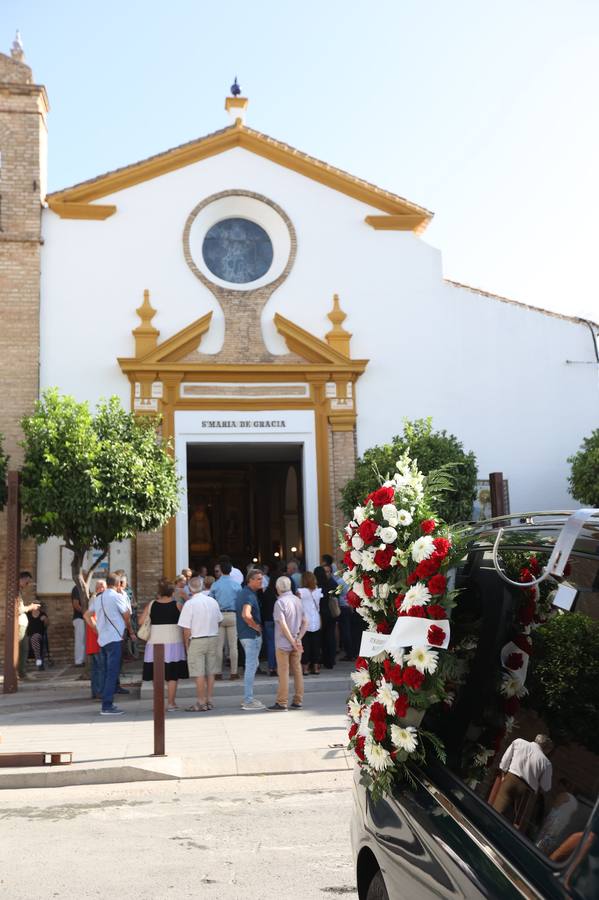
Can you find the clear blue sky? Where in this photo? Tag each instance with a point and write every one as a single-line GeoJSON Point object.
{"type": "Point", "coordinates": [485, 112]}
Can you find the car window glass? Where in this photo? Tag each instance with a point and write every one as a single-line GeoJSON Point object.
{"type": "Point", "coordinates": [521, 722]}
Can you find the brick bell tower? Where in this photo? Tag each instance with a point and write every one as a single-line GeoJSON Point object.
{"type": "Point", "coordinates": [23, 140]}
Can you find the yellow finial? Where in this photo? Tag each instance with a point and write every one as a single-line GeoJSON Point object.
{"type": "Point", "coordinates": [146, 336]}
{"type": "Point", "coordinates": [338, 338]}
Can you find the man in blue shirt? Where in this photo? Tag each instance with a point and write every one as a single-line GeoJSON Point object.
{"type": "Point", "coordinates": [112, 619]}
{"type": "Point", "coordinates": [225, 591]}
{"type": "Point", "coordinates": [249, 629]}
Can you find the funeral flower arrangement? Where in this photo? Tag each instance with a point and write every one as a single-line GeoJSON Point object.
{"type": "Point", "coordinates": [397, 557]}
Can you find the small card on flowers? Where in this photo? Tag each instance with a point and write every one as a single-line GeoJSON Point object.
{"type": "Point", "coordinates": [408, 631]}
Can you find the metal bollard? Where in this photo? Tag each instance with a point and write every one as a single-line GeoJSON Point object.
{"type": "Point", "coordinates": [159, 748]}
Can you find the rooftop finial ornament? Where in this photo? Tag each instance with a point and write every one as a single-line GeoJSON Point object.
{"type": "Point", "coordinates": [235, 89]}
{"type": "Point", "coordinates": [236, 105]}
{"type": "Point", "coordinates": [16, 51]}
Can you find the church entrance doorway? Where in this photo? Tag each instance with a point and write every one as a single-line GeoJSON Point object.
{"type": "Point", "coordinates": [245, 500]}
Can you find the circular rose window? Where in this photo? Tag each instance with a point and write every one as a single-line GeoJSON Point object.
{"type": "Point", "coordinates": [237, 250]}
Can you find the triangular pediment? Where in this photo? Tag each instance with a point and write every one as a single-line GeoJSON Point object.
{"type": "Point", "coordinates": [79, 201]}
{"type": "Point", "coordinates": [181, 344]}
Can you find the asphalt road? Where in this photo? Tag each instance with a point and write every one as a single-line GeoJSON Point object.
{"type": "Point", "coordinates": [240, 838]}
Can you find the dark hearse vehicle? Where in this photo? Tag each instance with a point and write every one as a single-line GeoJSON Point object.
{"type": "Point", "coordinates": [450, 834]}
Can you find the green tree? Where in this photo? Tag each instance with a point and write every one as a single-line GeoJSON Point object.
{"type": "Point", "coordinates": [432, 449]}
{"type": "Point", "coordinates": [3, 473]}
{"type": "Point", "coordinates": [564, 678]}
{"type": "Point", "coordinates": [91, 479]}
{"type": "Point", "coordinates": [584, 477]}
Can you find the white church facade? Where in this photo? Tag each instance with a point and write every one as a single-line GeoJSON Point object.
{"type": "Point", "coordinates": [283, 316]}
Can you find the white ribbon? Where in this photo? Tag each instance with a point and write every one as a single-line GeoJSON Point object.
{"type": "Point", "coordinates": [409, 631]}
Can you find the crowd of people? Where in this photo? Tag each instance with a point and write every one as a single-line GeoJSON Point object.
{"type": "Point", "coordinates": [298, 621]}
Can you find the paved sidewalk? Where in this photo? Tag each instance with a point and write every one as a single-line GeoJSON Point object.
{"type": "Point", "coordinates": [226, 741]}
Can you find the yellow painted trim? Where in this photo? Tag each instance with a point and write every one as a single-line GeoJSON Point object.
{"type": "Point", "coordinates": [180, 344]}
{"type": "Point", "coordinates": [254, 404]}
{"type": "Point", "coordinates": [306, 345]}
{"type": "Point", "coordinates": [236, 103]}
{"type": "Point", "coordinates": [397, 223]}
{"type": "Point", "coordinates": [255, 142]}
{"type": "Point", "coordinates": [70, 210]}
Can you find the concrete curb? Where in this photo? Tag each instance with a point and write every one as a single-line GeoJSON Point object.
{"type": "Point", "coordinates": [332, 759]}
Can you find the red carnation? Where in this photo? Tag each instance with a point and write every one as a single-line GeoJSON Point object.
{"type": "Point", "coordinates": [383, 628]}
{"type": "Point", "coordinates": [436, 611]}
{"type": "Point", "coordinates": [534, 566]}
{"type": "Point", "coordinates": [514, 661]}
{"type": "Point", "coordinates": [435, 636]}
{"type": "Point", "coordinates": [382, 496]}
{"type": "Point", "coordinates": [442, 546]}
{"type": "Point", "coordinates": [428, 567]}
{"type": "Point", "coordinates": [367, 585]}
{"type": "Point", "coordinates": [527, 613]}
{"type": "Point", "coordinates": [437, 584]}
{"type": "Point", "coordinates": [352, 731]}
{"type": "Point", "coordinates": [367, 531]}
{"type": "Point", "coordinates": [417, 612]}
{"type": "Point", "coordinates": [367, 689]}
{"type": "Point", "coordinates": [361, 663]}
{"type": "Point", "coordinates": [511, 705]}
{"type": "Point", "coordinates": [401, 705]}
{"type": "Point", "coordinates": [380, 730]}
{"type": "Point", "coordinates": [348, 561]}
{"type": "Point", "coordinates": [428, 526]}
{"type": "Point", "coordinates": [359, 748]}
{"type": "Point", "coordinates": [412, 678]}
{"type": "Point", "coordinates": [526, 575]}
{"type": "Point", "coordinates": [393, 672]}
{"type": "Point", "coordinates": [398, 601]}
{"type": "Point", "coordinates": [522, 642]}
{"type": "Point", "coordinates": [353, 600]}
{"type": "Point", "coordinates": [412, 578]}
{"type": "Point", "coordinates": [383, 558]}
{"type": "Point", "coordinates": [378, 712]}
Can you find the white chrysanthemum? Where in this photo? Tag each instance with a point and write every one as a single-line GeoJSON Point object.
{"type": "Point", "coordinates": [356, 557]}
{"type": "Point", "coordinates": [397, 655]}
{"type": "Point", "coordinates": [357, 542]}
{"type": "Point", "coordinates": [378, 758]}
{"type": "Point", "coordinates": [360, 677]}
{"type": "Point", "coordinates": [388, 535]}
{"type": "Point", "coordinates": [380, 657]}
{"type": "Point", "coordinates": [367, 561]}
{"type": "Point", "coordinates": [363, 727]}
{"type": "Point", "coordinates": [359, 514]}
{"type": "Point", "coordinates": [354, 709]}
{"type": "Point", "coordinates": [358, 589]}
{"type": "Point", "coordinates": [390, 514]}
{"type": "Point", "coordinates": [382, 590]}
{"type": "Point", "coordinates": [366, 615]}
{"type": "Point", "coordinates": [422, 548]}
{"type": "Point", "coordinates": [422, 659]}
{"type": "Point", "coordinates": [387, 696]}
{"type": "Point", "coordinates": [483, 756]}
{"type": "Point", "coordinates": [417, 595]}
{"type": "Point", "coordinates": [512, 687]}
{"type": "Point", "coordinates": [404, 738]}
{"type": "Point", "coordinates": [404, 518]}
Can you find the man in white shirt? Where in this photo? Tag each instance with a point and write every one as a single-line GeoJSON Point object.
{"type": "Point", "coordinates": [200, 619]}
{"type": "Point", "coordinates": [526, 770]}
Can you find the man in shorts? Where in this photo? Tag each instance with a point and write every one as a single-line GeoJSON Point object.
{"type": "Point", "coordinates": [200, 619]}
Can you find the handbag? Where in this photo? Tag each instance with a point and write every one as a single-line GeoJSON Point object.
{"type": "Point", "coordinates": [334, 608]}
{"type": "Point", "coordinates": [144, 631]}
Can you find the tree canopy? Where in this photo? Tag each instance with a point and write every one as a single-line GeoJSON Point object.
{"type": "Point", "coordinates": [432, 450]}
{"type": "Point", "coordinates": [94, 478]}
{"type": "Point", "coordinates": [584, 476]}
{"type": "Point", "coordinates": [564, 681]}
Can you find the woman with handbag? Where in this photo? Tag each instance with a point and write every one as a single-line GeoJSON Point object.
{"type": "Point", "coordinates": [310, 596]}
{"type": "Point", "coordinates": [158, 625]}
{"type": "Point", "coordinates": [329, 613]}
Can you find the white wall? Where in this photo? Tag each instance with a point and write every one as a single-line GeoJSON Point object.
{"type": "Point", "coordinates": [492, 373]}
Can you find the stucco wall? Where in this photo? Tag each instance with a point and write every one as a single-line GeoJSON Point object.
{"type": "Point", "coordinates": [493, 373]}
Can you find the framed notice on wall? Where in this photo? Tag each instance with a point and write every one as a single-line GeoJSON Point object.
{"type": "Point", "coordinates": [66, 558]}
